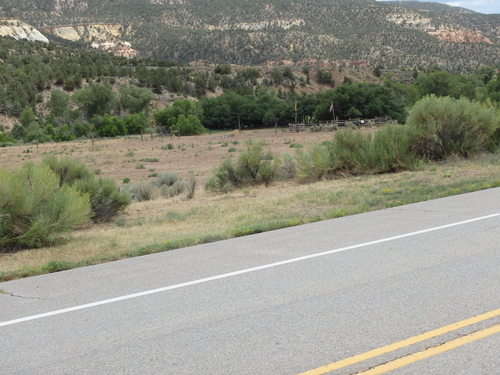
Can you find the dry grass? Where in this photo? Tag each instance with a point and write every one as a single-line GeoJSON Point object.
{"type": "Point", "coordinates": [118, 158]}
{"type": "Point", "coordinates": [171, 223]}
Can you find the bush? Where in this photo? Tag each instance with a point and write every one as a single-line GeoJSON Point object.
{"type": "Point", "coordinates": [225, 178]}
{"type": "Point", "coordinates": [446, 126]}
{"type": "Point", "coordinates": [141, 191]}
{"type": "Point", "coordinates": [106, 201]}
{"type": "Point", "coordinates": [390, 149]}
{"type": "Point", "coordinates": [4, 139]}
{"type": "Point", "coordinates": [68, 170]}
{"type": "Point", "coordinates": [351, 149]}
{"type": "Point", "coordinates": [315, 164]}
{"type": "Point", "coordinates": [35, 210]}
{"type": "Point", "coordinates": [254, 166]}
{"type": "Point", "coordinates": [170, 185]}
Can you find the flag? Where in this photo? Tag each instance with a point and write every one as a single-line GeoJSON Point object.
{"type": "Point", "coordinates": [331, 108]}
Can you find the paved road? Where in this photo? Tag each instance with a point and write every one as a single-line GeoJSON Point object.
{"type": "Point", "coordinates": [384, 281]}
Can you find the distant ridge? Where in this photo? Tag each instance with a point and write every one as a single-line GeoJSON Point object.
{"type": "Point", "coordinates": [391, 34]}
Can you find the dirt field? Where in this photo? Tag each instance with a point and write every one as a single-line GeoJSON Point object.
{"type": "Point", "coordinates": [128, 157]}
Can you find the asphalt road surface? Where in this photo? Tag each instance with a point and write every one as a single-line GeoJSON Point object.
{"type": "Point", "coordinates": [370, 294]}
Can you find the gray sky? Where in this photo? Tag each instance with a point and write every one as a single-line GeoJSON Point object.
{"type": "Point", "coordinates": [482, 6]}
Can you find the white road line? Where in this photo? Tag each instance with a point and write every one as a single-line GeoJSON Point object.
{"type": "Point", "coordinates": [240, 272]}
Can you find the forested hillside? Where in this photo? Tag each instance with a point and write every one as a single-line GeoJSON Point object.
{"type": "Point", "coordinates": [335, 32]}
{"type": "Point", "coordinates": [53, 92]}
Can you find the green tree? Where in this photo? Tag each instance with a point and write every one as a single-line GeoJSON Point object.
{"type": "Point", "coordinates": [135, 99]}
{"type": "Point", "coordinates": [95, 99]}
{"type": "Point", "coordinates": [168, 116]}
{"type": "Point", "coordinates": [439, 83]}
{"type": "Point", "coordinates": [189, 125]}
{"type": "Point", "coordinates": [58, 103]}
{"type": "Point", "coordinates": [27, 118]}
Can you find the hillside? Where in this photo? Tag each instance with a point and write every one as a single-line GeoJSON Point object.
{"type": "Point", "coordinates": [313, 32]}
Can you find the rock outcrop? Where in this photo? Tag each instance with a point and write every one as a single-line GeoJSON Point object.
{"type": "Point", "coordinates": [105, 37]}
{"type": "Point", "coordinates": [20, 30]}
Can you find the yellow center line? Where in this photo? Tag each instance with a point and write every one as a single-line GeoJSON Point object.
{"type": "Point", "coordinates": [415, 357]}
{"type": "Point", "coordinates": [401, 344]}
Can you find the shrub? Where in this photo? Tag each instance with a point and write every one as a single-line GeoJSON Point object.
{"type": "Point", "coordinates": [254, 166]}
{"type": "Point", "coordinates": [172, 190]}
{"type": "Point", "coordinates": [315, 164]}
{"type": "Point", "coordinates": [106, 201]}
{"type": "Point", "coordinates": [446, 126]}
{"type": "Point", "coordinates": [166, 178]}
{"type": "Point", "coordinates": [288, 167]}
{"type": "Point", "coordinates": [351, 148]}
{"type": "Point", "coordinates": [35, 210]}
{"type": "Point", "coordinates": [392, 149]}
{"type": "Point", "coordinates": [68, 170]}
{"type": "Point", "coordinates": [389, 149]}
{"type": "Point", "coordinates": [170, 185]}
{"type": "Point", "coordinates": [4, 139]}
{"type": "Point", "coordinates": [140, 191]}
{"type": "Point", "coordinates": [225, 178]}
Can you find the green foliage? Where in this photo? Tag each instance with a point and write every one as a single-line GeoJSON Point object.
{"type": "Point", "coordinates": [365, 100]}
{"type": "Point", "coordinates": [389, 149]}
{"type": "Point", "coordinates": [254, 166]}
{"type": "Point", "coordinates": [5, 139]}
{"type": "Point", "coordinates": [106, 201]}
{"type": "Point", "coordinates": [169, 116]}
{"type": "Point", "coordinates": [136, 123]}
{"type": "Point", "coordinates": [439, 83]}
{"type": "Point", "coordinates": [58, 103]}
{"type": "Point", "coordinates": [223, 69]}
{"type": "Point", "coordinates": [95, 99]}
{"type": "Point", "coordinates": [319, 162]}
{"type": "Point", "coordinates": [68, 170]}
{"type": "Point", "coordinates": [109, 126]}
{"type": "Point", "coordinates": [189, 125]}
{"type": "Point", "coordinates": [35, 210]}
{"type": "Point", "coordinates": [446, 126]}
{"type": "Point", "coordinates": [27, 118]}
{"type": "Point", "coordinates": [324, 77]}
{"type": "Point", "coordinates": [135, 99]}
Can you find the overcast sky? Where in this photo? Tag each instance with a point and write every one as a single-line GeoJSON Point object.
{"type": "Point", "coordinates": [483, 6]}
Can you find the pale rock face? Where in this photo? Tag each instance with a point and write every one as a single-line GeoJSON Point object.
{"type": "Point", "coordinates": [20, 30]}
{"type": "Point", "coordinates": [105, 37]}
